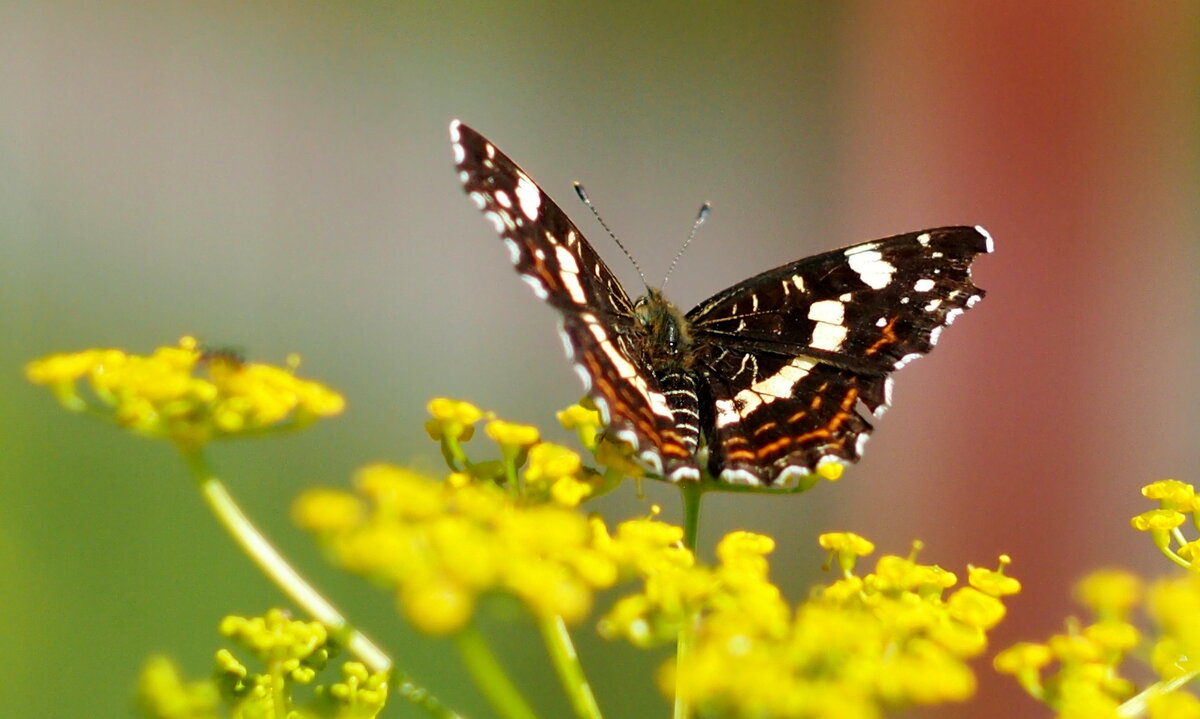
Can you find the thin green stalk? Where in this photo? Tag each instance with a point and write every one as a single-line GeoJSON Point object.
{"type": "Point", "coordinates": [490, 677]}
{"type": "Point", "coordinates": [1138, 705]}
{"type": "Point", "coordinates": [692, 493]}
{"type": "Point", "coordinates": [272, 563]}
{"type": "Point", "coordinates": [570, 671]}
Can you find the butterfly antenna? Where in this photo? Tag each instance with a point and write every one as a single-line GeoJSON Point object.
{"type": "Point", "coordinates": [700, 218]}
{"type": "Point", "coordinates": [587, 201]}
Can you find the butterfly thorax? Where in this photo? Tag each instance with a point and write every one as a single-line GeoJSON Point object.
{"type": "Point", "coordinates": [666, 337]}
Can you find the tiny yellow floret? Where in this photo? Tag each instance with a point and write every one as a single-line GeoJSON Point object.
{"type": "Point", "coordinates": [512, 434]}
{"type": "Point", "coordinates": [1172, 494]}
{"type": "Point", "coordinates": [1109, 593]}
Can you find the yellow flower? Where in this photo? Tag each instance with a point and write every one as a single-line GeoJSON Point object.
{"type": "Point", "coordinates": [585, 421]}
{"type": "Point", "coordinates": [441, 545]}
{"type": "Point", "coordinates": [180, 394]}
{"type": "Point", "coordinates": [163, 694]}
{"type": "Point", "coordinates": [847, 547]}
{"type": "Point", "coordinates": [452, 418]}
{"type": "Point", "coordinates": [511, 434]}
{"type": "Point", "coordinates": [1109, 592]}
{"type": "Point", "coordinates": [1172, 494]}
{"type": "Point", "coordinates": [327, 510]}
{"type": "Point", "coordinates": [290, 646]}
{"type": "Point", "coordinates": [853, 649]}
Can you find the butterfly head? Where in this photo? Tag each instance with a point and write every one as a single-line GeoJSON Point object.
{"type": "Point", "coordinates": [663, 326]}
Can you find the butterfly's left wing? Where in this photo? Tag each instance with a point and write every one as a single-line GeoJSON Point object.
{"type": "Point", "coordinates": [564, 270]}
{"type": "Point", "coordinates": [788, 355]}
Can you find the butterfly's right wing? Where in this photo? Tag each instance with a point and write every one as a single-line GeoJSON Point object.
{"type": "Point", "coordinates": [552, 256]}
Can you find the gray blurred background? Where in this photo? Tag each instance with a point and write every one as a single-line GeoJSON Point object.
{"type": "Point", "coordinates": [279, 177]}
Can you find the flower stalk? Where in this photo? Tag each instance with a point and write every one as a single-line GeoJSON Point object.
{"type": "Point", "coordinates": [271, 562]}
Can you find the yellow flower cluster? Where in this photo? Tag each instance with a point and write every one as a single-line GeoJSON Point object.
{"type": "Point", "coordinates": [442, 544]}
{"type": "Point", "coordinates": [862, 643]}
{"type": "Point", "coordinates": [1078, 672]}
{"type": "Point", "coordinates": [551, 472]}
{"type": "Point", "coordinates": [183, 393]}
{"type": "Point", "coordinates": [290, 652]}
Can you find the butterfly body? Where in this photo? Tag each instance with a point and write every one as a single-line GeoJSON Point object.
{"type": "Point", "coordinates": [770, 378]}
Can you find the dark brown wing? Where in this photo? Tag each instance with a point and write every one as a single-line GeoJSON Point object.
{"type": "Point", "coordinates": [788, 355]}
{"type": "Point", "coordinates": [563, 269]}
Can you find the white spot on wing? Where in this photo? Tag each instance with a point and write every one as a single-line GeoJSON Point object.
{"type": "Point", "coordinates": [455, 134]}
{"type": "Point", "coordinates": [872, 269]}
{"type": "Point", "coordinates": [881, 322]}
{"type": "Point", "coordinates": [479, 200]}
{"type": "Point", "coordinates": [933, 305]}
{"type": "Point", "coordinates": [827, 311]}
{"type": "Point", "coordinates": [798, 281]}
{"type": "Point", "coordinates": [934, 334]}
{"type": "Point", "coordinates": [536, 285]}
{"type": "Point", "coordinates": [740, 476]}
{"type": "Point", "coordinates": [906, 359]}
{"type": "Point", "coordinates": [496, 220]}
{"type": "Point", "coordinates": [923, 285]}
{"type": "Point", "coordinates": [460, 154]}
{"type": "Point", "coordinates": [529, 196]}
{"type": "Point", "coordinates": [952, 315]}
{"type": "Point", "coordinates": [566, 260]}
{"type": "Point", "coordinates": [989, 244]}
{"type": "Point", "coordinates": [860, 443]}
{"type": "Point", "coordinates": [514, 250]}
{"type": "Point", "coordinates": [791, 475]}
{"type": "Point", "coordinates": [828, 337]}
{"type": "Point", "coordinates": [727, 412]}
{"type": "Point", "coordinates": [502, 198]}
{"type": "Point", "coordinates": [684, 474]}
{"type": "Point", "coordinates": [923, 239]}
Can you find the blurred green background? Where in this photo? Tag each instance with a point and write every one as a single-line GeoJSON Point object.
{"type": "Point", "coordinates": [278, 177]}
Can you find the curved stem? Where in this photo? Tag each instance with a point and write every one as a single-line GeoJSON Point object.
{"type": "Point", "coordinates": [692, 493]}
{"type": "Point", "coordinates": [272, 563]}
{"type": "Point", "coordinates": [490, 676]}
{"type": "Point", "coordinates": [570, 671]}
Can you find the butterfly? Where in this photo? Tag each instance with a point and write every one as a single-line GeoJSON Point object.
{"type": "Point", "coordinates": [762, 384]}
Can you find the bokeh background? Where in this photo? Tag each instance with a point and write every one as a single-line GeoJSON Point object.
{"type": "Point", "coordinates": [278, 177]}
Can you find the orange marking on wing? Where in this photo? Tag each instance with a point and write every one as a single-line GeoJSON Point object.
{"type": "Point", "coordinates": [765, 428]}
{"type": "Point", "coordinates": [835, 421]}
{"type": "Point", "coordinates": [767, 450]}
{"type": "Point", "coordinates": [889, 337]}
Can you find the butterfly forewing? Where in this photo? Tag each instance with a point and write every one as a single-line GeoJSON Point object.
{"type": "Point", "coordinates": [564, 270]}
{"type": "Point", "coordinates": [771, 373]}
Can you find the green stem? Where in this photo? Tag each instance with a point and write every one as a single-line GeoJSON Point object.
{"type": "Point", "coordinates": [1137, 706]}
{"type": "Point", "coordinates": [272, 563]}
{"type": "Point", "coordinates": [570, 671]}
{"type": "Point", "coordinates": [490, 677]}
{"type": "Point", "coordinates": [692, 493]}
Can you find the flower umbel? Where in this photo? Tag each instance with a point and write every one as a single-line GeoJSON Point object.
{"type": "Point", "coordinates": [441, 545]}
{"type": "Point", "coordinates": [184, 393]}
{"type": "Point", "coordinates": [287, 655]}
{"type": "Point", "coordinates": [889, 638]}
